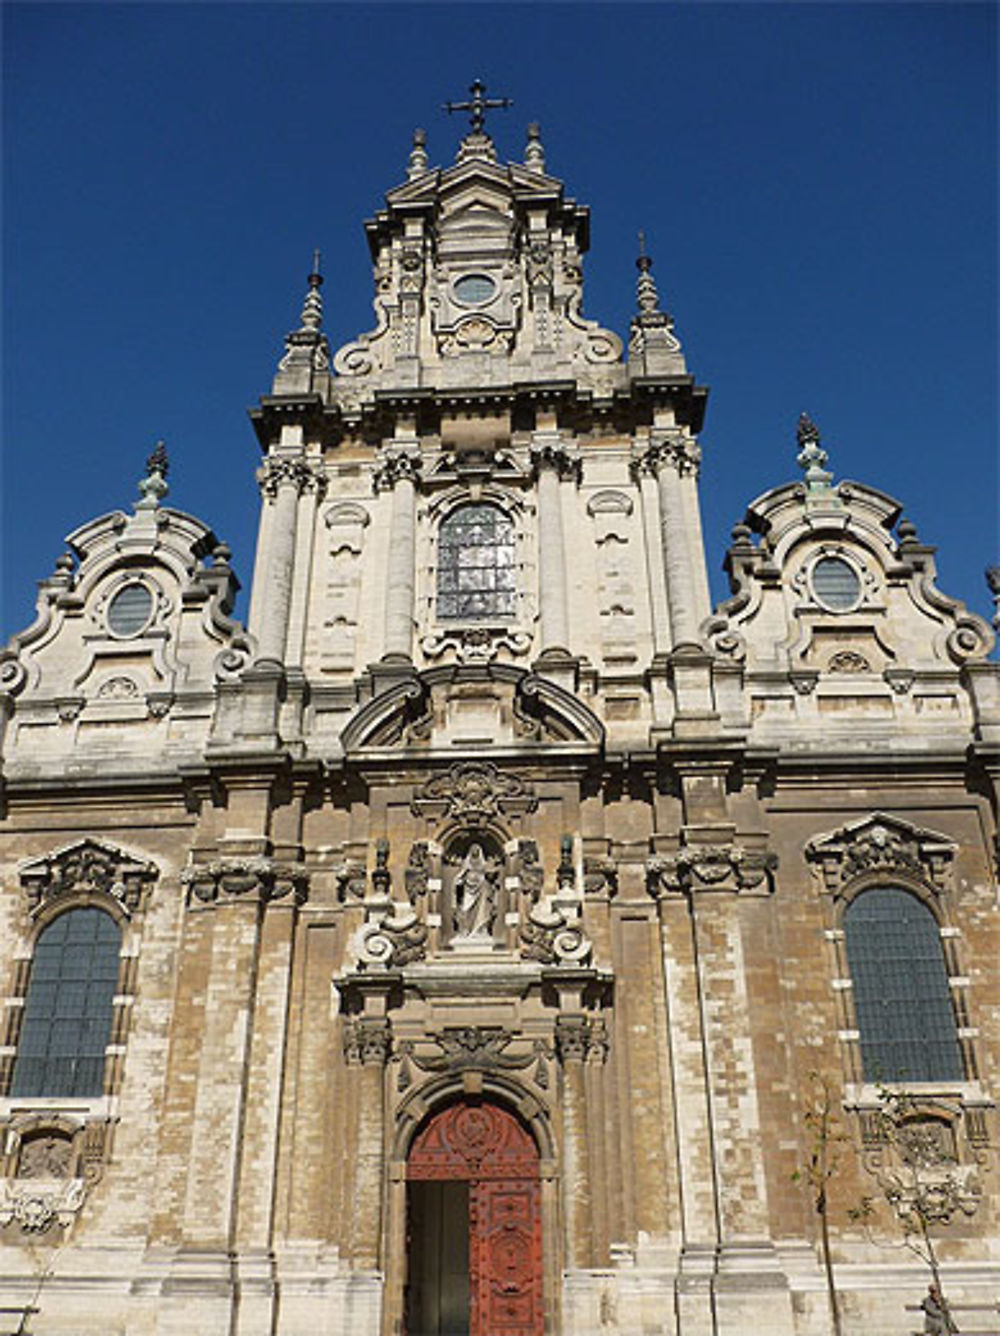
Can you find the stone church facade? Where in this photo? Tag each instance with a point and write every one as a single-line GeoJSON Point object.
{"type": "Point", "coordinates": [467, 943]}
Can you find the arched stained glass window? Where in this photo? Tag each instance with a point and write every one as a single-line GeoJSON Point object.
{"type": "Point", "coordinates": [901, 996]}
{"type": "Point", "coordinates": [69, 1007]}
{"type": "Point", "coordinates": [476, 576]}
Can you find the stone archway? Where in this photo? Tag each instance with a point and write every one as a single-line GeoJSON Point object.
{"type": "Point", "coordinates": [474, 1227]}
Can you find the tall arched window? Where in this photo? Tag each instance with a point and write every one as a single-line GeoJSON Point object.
{"type": "Point", "coordinates": [69, 1007]}
{"type": "Point", "coordinates": [476, 574]}
{"type": "Point", "coordinates": [902, 1001]}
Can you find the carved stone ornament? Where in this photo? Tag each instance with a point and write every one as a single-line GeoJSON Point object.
{"type": "Point", "coordinates": [393, 464]}
{"type": "Point", "coordinates": [581, 1037]}
{"type": "Point", "coordinates": [85, 868]}
{"type": "Point", "coordinates": [667, 451]}
{"type": "Point", "coordinates": [848, 661]}
{"type": "Point", "coordinates": [472, 1048]}
{"type": "Point", "coordinates": [366, 1041]}
{"type": "Point", "coordinates": [232, 878]}
{"type": "Point", "coordinates": [916, 1164]}
{"type": "Point", "coordinates": [600, 876]}
{"type": "Point", "coordinates": [276, 473]}
{"type": "Point", "coordinates": [716, 867]}
{"type": "Point", "coordinates": [390, 940]}
{"type": "Point", "coordinates": [476, 644]}
{"type": "Point", "coordinates": [417, 871]}
{"type": "Point", "coordinates": [880, 843]}
{"type": "Point", "coordinates": [554, 453]}
{"type": "Point", "coordinates": [36, 1204]}
{"type": "Point", "coordinates": [473, 792]}
{"type": "Point", "coordinates": [352, 880]}
{"type": "Point", "coordinates": [553, 935]}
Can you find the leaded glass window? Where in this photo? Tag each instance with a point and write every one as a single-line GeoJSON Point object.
{"type": "Point", "coordinates": [476, 577]}
{"type": "Point", "coordinates": [901, 995]}
{"type": "Point", "coordinates": [69, 1007]}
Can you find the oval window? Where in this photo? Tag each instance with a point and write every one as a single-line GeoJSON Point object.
{"type": "Point", "coordinates": [130, 610]}
{"type": "Point", "coordinates": [474, 289]}
{"type": "Point", "coordinates": [835, 584]}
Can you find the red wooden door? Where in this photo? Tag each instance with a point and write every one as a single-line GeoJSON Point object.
{"type": "Point", "coordinates": [487, 1147]}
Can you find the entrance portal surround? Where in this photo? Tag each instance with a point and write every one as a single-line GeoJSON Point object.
{"type": "Point", "coordinates": [494, 1137]}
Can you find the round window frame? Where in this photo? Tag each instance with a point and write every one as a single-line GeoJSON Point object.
{"type": "Point", "coordinates": [151, 613]}
{"type": "Point", "coordinates": [480, 302]}
{"type": "Point", "coordinates": [855, 571]}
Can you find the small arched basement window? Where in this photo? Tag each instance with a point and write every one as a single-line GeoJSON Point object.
{"type": "Point", "coordinates": [902, 1001]}
{"type": "Point", "coordinates": [476, 577]}
{"type": "Point", "coordinates": [69, 1007]}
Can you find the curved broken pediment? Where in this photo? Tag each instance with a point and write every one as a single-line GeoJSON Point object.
{"type": "Point", "coordinates": [478, 705]}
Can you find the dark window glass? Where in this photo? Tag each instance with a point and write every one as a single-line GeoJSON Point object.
{"type": "Point", "coordinates": [901, 995]}
{"type": "Point", "coordinates": [68, 1010]}
{"type": "Point", "coordinates": [129, 610]}
{"type": "Point", "coordinates": [476, 574]}
{"type": "Point", "coordinates": [836, 584]}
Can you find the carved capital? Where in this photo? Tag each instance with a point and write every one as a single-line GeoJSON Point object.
{"type": "Point", "coordinates": [276, 473]}
{"type": "Point", "coordinates": [666, 451]}
{"type": "Point", "coordinates": [579, 1038]}
{"type": "Point", "coordinates": [245, 878]}
{"type": "Point", "coordinates": [394, 463]}
{"type": "Point", "coordinates": [366, 1042]}
{"type": "Point", "coordinates": [550, 452]}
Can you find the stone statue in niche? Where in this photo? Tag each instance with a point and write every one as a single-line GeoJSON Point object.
{"type": "Point", "coordinates": [475, 890]}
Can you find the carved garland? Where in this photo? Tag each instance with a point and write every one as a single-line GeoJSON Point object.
{"type": "Point", "coordinates": [231, 878]}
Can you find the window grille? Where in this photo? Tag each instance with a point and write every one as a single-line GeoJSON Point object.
{"type": "Point", "coordinates": [69, 1007]}
{"type": "Point", "coordinates": [901, 995]}
{"type": "Point", "coordinates": [476, 577]}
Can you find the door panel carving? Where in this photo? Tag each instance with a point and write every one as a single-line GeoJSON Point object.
{"type": "Point", "coordinates": [487, 1147]}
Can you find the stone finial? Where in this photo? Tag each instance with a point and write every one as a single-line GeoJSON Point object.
{"type": "Point", "coordinates": [653, 346]}
{"type": "Point", "coordinates": [153, 487]}
{"type": "Point", "coordinates": [306, 348]}
{"type": "Point", "coordinates": [812, 458]}
{"type": "Point", "coordinates": [993, 580]}
{"type": "Point", "coordinates": [534, 153]}
{"type": "Point", "coordinates": [418, 155]}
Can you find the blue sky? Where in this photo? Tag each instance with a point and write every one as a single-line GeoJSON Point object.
{"type": "Point", "coordinates": [817, 182]}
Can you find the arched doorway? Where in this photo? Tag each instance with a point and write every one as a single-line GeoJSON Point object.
{"type": "Point", "coordinates": [474, 1230]}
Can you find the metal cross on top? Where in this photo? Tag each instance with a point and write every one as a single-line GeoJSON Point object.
{"type": "Point", "coordinates": [479, 105]}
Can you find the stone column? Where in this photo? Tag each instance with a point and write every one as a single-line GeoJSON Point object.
{"type": "Point", "coordinates": [644, 466]}
{"type": "Point", "coordinates": [553, 461]}
{"type": "Point", "coordinates": [366, 1044]}
{"type": "Point", "coordinates": [398, 470]}
{"type": "Point", "coordinates": [572, 1042]}
{"type": "Point", "coordinates": [281, 481]}
{"type": "Point", "coordinates": [674, 457]}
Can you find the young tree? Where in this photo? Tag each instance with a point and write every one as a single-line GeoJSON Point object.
{"type": "Point", "coordinates": [826, 1136]}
